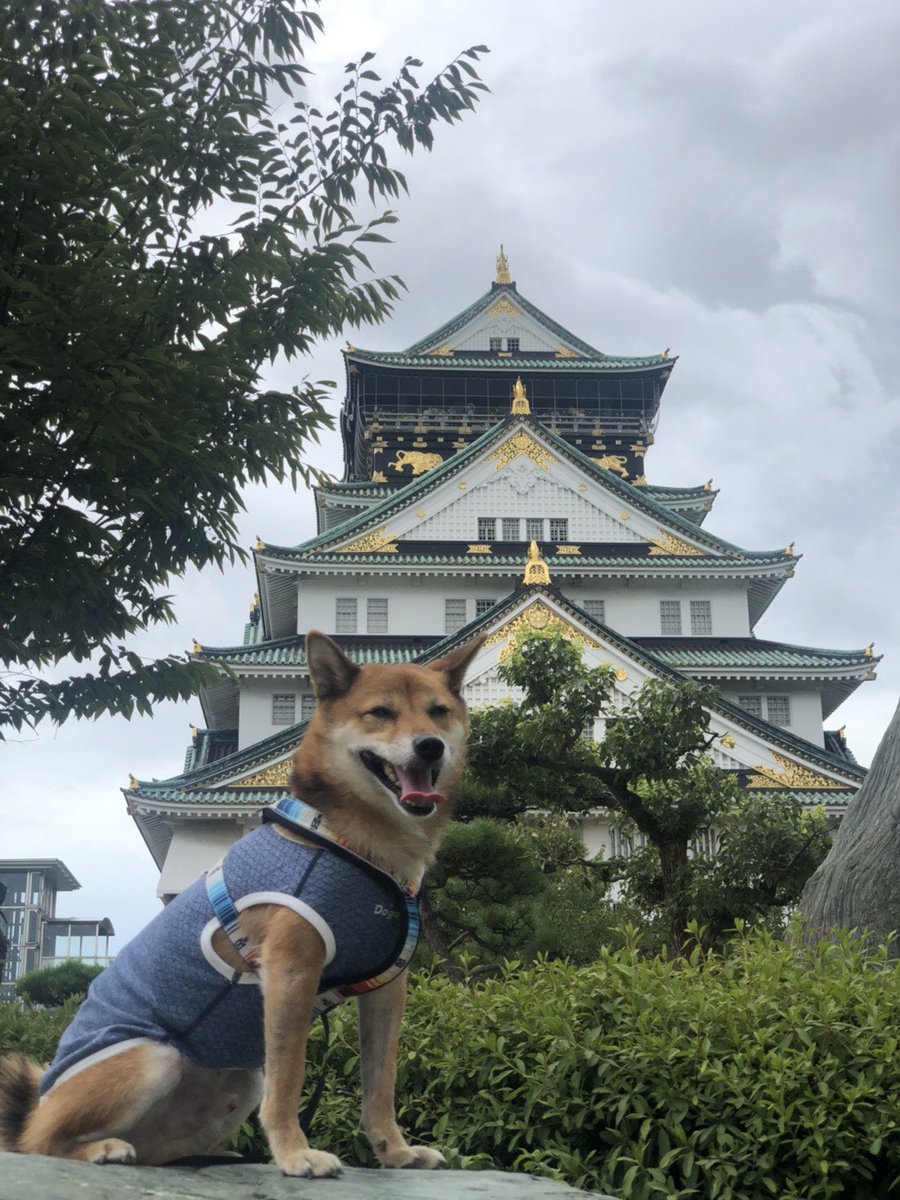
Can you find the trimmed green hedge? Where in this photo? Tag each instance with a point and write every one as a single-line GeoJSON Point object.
{"type": "Point", "coordinates": [768, 1070]}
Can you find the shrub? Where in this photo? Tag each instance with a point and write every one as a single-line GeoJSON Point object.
{"type": "Point", "coordinates": [34, 1032]}
{"type": "Point", "coordinates": [761, 1071]}
{"type": "Point", "coordinates": [52, 986]}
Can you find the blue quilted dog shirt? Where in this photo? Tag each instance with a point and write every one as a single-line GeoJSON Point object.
{"type": "Point", "coordinates": [168, 985]}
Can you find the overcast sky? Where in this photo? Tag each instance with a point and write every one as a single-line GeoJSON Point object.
{"type": "Point", "coordinates": [718, 178]}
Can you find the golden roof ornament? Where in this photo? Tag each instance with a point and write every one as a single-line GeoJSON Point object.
{"type": "Point", "coordinates": [196, 648]}
{"type": "Point", "coordinates": [503, 275]}
{"type": "Point", "coordinates": [536, 570]}
{"type": "Point", "coordinates": [707, 487]}
{"type": "Point", "coordinates": [789, 550]}
{"type": "Point", "coordinates": [520, 405]}
{"type": "Point", "coordinates": [133, 784]}
{"type": "Point", "coordinates": [869, 651]}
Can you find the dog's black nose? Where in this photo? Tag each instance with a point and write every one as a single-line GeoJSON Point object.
{"type": "Point", "coordinates": [429, 749]}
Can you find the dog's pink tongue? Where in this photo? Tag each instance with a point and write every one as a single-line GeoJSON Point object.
{"type": "Point", "coordinates": [415, 786]}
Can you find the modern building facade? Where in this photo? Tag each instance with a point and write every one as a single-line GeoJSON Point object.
{"type": "Point", "coordinates": [36, 936]}
{"type": "Point", "coordinates": [495, 482]}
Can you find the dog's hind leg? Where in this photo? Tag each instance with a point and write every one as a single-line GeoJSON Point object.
{"type": "Point", "coordinates": [91, 1115]}
{"type": "Point", "coordinates": [380, 1014]}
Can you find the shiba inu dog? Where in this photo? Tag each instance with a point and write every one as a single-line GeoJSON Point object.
{"type": "Point", "coordinates": [165, 1058]}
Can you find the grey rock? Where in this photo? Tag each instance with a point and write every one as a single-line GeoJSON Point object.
{"type": "Point", "coordinates": [29, 1177]}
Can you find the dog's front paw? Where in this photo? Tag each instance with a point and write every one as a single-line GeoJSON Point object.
{"type": "Point", "coordinates": [311, 1164]}
{"type": "Point", "coordinates": [109, 1150]}
{"type": "Point", "coordinates": [414, 1158]}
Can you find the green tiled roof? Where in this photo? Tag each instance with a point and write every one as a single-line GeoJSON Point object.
{"type": "Point", "coordinates": [699, 492]}
{"type": "Point", "coordinates": [518, 362]}
{"type": "Point", "coordinates": [210, 797]}
{"type": "Point", "coordinates": [517, 561]}
{"type": "Point", "coordinates": [717, 654]}
{"type": "Point", "coordinates": [292, 651]}
{"type": "Point", "coordinates": [750, 652]}
{"type": "Point", "coordinates": [456, 463]}
{"type": "Point", "coordinates": [592, 357]}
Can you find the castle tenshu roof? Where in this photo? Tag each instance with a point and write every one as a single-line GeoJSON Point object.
{"type": "Point", "coordinates": [455, 463]}
{"type": "Point", "coordinates": [279, 743]}
{"type": "Point", "coordinates": [418, 354]}
{"type": "Point", "coordinates": [690, 652]}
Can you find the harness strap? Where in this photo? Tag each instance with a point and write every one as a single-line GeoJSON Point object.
{"type": "Point", "coordinates": [227, 914]}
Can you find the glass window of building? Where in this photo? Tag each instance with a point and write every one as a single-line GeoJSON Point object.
{"type": "Point", "coordinates": [487, 529]}
{"type": "Point", "coordinates": [284, 705]}
{"type": "Point", "coordinates": [496, 343]}
{"type": "Point", "coordinates": [701, 617]}
{"type": "Point", "coordinates": [534, 529]}
{"type": "Point", "coordinates": [512, 345]}
{"type": "Point", "coordinates": [778, 710]}
{"type": "Point", "coordinates": [670, 617]}
{"type": "Point", "coordinates": [345, 614]}
{"type": "Point", "coordinates": [751, 704]}
{"type": "Point", "coordinates": [595, 608]}
{"type": "Point", "coordinates": [483, 606]}
{"type": "Point", "coordinates": [559, 529]}
{"type": "Point", "coordinates": [511, 526]}
{"type": "Point", "coordinates": [454, 615]}
{"type": "Point", "coordinates": [307, 705]}
{"type": "Point", "coordinates": [377, 615]}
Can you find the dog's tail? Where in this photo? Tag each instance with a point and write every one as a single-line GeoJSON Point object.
{"type": "Point", "coordinates": [19, 1080]}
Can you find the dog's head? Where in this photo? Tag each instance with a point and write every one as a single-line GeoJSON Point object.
{"type": "Point", "coordinates": [390, 737]}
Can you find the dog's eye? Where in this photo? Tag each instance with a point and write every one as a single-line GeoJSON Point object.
{"type": "Point", "coordinates": [382, 712]}
{"type": "Point", "coordinates": [439, 710]}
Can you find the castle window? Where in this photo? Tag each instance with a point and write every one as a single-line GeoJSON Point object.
{"type": "Point", "coordinates": [512, 345]}
{"type": "Point", "coordinates": [496, 343]}
{"type": "Point", "coordinates": [595, 609]}
{"type": "Point", "coordinates": [376, 615]}
{"type": "Point", "coordinates": [701, 617]}
{"type": "Point", "coordinates": [511, 529]}
{"type": "Point", "coordinates": [307, 705]}
{"type": "Point", "coordinates": [534, 529]}
{"type": "Point", "coordinates": [483, 606]}
{"type": "Point", "coordinates": [751, 704]}
{"type": "Point", "coordinates": [778, 710]}
{"type": "Point", "coordinates": [284, 706]}
{"type": "Point", "coordinates": [559, 529]}
{"type": "Point", "coordinates": [345, 614]}
{"type": "Point", "coordinates": [454, 615]}
{"type": "Point", "coordinates": [670, 617]}
{"type": "Point", "coordinates": [487, 529]}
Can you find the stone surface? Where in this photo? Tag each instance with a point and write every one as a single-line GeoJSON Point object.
{"type": "Point", "coordinates": [28, 1177]}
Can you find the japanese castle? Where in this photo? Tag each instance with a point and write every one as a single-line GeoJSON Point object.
{"type": "Point", "coordinates": [494, 481]}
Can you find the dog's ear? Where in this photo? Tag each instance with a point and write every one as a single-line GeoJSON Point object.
{"type": "Point", "coordinates": [331, 671]}
{"type": "Point", "coordinates": [455, 665]}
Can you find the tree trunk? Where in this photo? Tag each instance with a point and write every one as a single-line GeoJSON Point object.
{"type": "Point", "coordinates": [673, 857]}
{"type": "Point", "coordinates": [435, 940]}
{"type": "Point", "coordinates": [858, 884]}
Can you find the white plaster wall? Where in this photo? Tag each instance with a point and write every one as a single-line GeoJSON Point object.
{"type": "Point", "coordinates": [523, 490]}
{"type": "Point", "coordinates": [416, 606]}
{"type": "Point", "coordinates": [255, 705]}
{"type": "Point", "coordinates": [195, 847]}
{"type": "Point", "coordinates": [476, 335]}
{"type": "Point", "coordinates": [632, 607]}
{"type": "Point", "coordinates": [806, 705]}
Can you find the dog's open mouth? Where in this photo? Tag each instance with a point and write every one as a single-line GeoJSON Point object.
{"type": "Point", "coordinates": [412, 786]}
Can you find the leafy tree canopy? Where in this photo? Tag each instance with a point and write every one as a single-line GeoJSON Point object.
{"type": "Point", "coordinates": [174, 213]}
{"type": "Point", "coordinates": [652, 770]}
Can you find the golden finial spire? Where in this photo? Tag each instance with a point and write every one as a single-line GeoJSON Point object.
{"type": "Point", "coordinates": [503, 275]}
{"type": "Point", "coordinates": [520, 405]}
{"type": "Point", "coordinates": [536, 570]}
{"type": "Point", "coordinates": [870, 650]}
